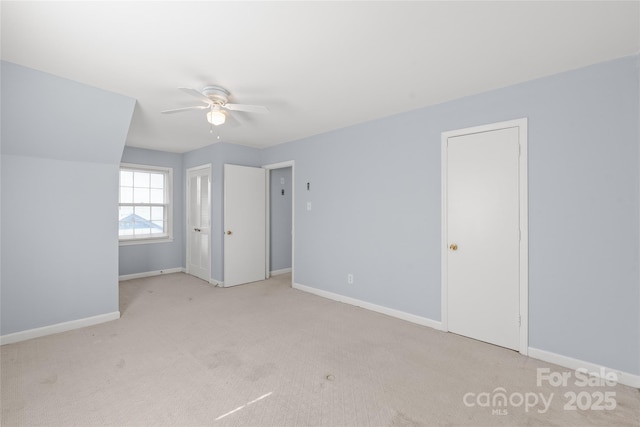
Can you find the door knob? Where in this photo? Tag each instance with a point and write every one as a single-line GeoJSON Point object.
{"type": "Point", "coordinates": [229, 232]}
{"type": "Point", "coordinates": [196, 229]}
{"type": "Point", "coordinates": [453, 247]}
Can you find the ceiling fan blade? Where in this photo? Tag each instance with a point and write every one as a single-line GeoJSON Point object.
{"type": "Point", "coordinates": [179, 110]}
{"type": "Point", "coordinates": [232, 121]}
{"type": "Point", "coordinates": [195, 93]}
{"type": "Point", "coordinates": [247, 108]}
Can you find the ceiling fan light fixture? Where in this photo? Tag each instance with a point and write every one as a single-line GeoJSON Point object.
{"type": "Point", "coordinates": [216, 117]}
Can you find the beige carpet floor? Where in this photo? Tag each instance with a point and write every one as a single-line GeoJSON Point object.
{"type": "Point", "coordinates": [263, 354]}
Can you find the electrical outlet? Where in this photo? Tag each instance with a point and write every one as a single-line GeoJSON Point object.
{"type": "Point", "coordinates": [350, 279]}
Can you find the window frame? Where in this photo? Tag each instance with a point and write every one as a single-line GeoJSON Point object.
{"type": "Point", "coordinates": [168, 204]}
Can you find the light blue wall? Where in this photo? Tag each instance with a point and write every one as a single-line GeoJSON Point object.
{"type": "Point", "coordinates": [280, 219]}
{"type": "Point", "coordinates": [374, 190]}
{"type": "Point", "coordinates": [59, 255]}
{"type": "Point", "coordinates": [584, 192]}
{"type": "Point", "coordinates": [157, 256]}
{"type": "Point", "coordinates": [375, 193]}
{"type": "Point", "coordinates": [60, 157]}
{"type": "Point", "coordinates": [218, 155]}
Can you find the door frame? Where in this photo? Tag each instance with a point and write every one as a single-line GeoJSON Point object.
{"type": "Point", "coordinates": [521, 124]}
{"type": "Point", "coordinates": [186, 213]}
{"type": "Point", "coordinates": [269, 168]}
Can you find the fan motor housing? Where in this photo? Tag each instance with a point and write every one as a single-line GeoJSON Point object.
{"type": "Point", "coordinates": [217, 94]}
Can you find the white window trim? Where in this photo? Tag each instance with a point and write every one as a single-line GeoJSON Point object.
{"type": "Point", "coordinates": [169, 195]}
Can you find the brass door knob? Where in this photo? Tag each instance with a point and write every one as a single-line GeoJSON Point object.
{"type": "Point", "coordinates": [453, 247]}
{"type": "Point", "coordinates": [229, 232]}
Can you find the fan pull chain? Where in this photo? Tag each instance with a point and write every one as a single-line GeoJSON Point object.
{"type": "Point", "coordinates": [211, 131]}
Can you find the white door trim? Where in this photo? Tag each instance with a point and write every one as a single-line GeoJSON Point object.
{"type": "Point", "coordinates": [270, 167]}
{"type": "Point", "coordinates": [521, 124]}
{"type": "Point", "coordinates": [186, 215]}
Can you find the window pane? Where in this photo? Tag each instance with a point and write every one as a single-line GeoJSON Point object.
{"type": "Point", "coordinates": [125, 221]}
{"type": "Point", "coordinates": [126, 178]}
{"type": "Point", "coordinates": [142, 218]}
{"type": "Point", "coordinates": [140, 195]}
{"type": "Point", "coordinates": [158, 227]}
{"type": "Point", "coordinates": [157, 180]}
{"type": "Point", "coordinates": [157, 196]}
{"type": "Point", "coordinates": [126, 195]}
{"type": "Point", "coordinates": [141, 179]}
{"type": "Point", "coordinates": [125, 211]}
{"type": "Point", "coordinates": [143, 213]}
{"type": "Point", "coordinates": [157, 213]}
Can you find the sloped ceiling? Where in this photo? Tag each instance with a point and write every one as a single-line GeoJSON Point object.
{"type": "Point", "coordinates": [317, 66]}
{"type": "Point", "coordinates": [61, 126]}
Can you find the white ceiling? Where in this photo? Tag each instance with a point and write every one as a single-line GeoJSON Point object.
{"type": "Point", "coordinates": [317, 66]}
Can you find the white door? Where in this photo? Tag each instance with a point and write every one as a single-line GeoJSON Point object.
{"type": "Point", "coordinates": [244, 224]}
{"type": "Point", "coordinates": [199, 222]}
{"type": "Point", "coordinates": [483, 235]}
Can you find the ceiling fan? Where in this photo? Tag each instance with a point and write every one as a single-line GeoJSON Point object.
{"type": "Point", "coordinates": [216, 99]}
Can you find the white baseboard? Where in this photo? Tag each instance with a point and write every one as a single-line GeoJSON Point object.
{"type": "Point", "coordinates": [150, 273]}
{"type": "Point", "coordinates": [57, 328]}
{"type": "Point", "coordinates": [625, 378]}
{"type": "Point", "coordinates": [279, 272]}
{"type": "Point", "coordinates": [216, 283]}
{"type": "Point", "coordinates": [373, 307]}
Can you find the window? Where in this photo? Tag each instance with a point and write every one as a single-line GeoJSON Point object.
{"type": "Point", "coordinates": [144, 204]}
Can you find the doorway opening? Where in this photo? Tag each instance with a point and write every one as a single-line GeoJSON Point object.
{"type": "Point", "coordinates": [280, 219]}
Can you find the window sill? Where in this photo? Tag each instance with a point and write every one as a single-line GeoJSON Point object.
{"type": "Point", "coordinates": [130, 242]}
